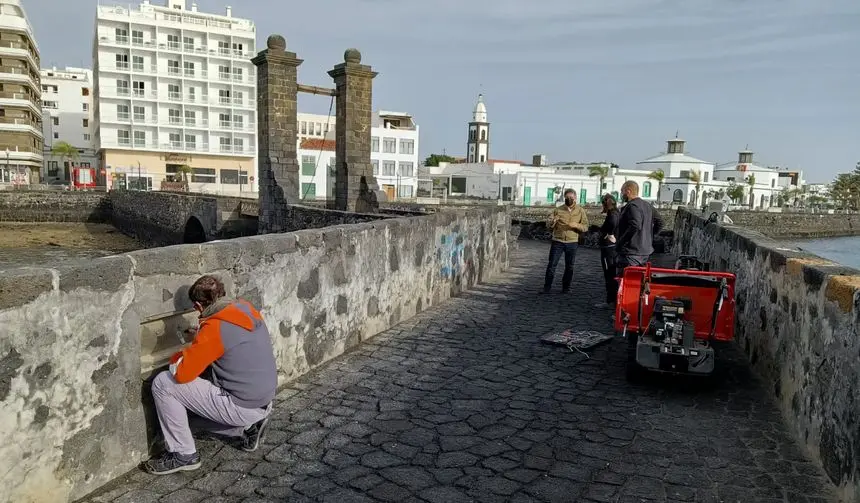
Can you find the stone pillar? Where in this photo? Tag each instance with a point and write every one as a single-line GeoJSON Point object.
{"type": "Point", "coordinates": [278, 167]}
{"type": "Point", "coordinates": [355, 186]}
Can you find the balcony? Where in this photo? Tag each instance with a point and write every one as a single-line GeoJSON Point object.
{"type": "Point", "coordinates": [31, 100]}
{"type": "Point", "coordinates": [138, 68]}
{"type": "Point", "coordinates": [122, 39]}
{"type": "Point", "coordinates": [226, 77]}
{"type": "Point", "coordinates": [173, 46]}
{"type": "Point", "coordinates": [146, 14]}
{"type": "Point", "coordinates": [193, 98]}
{"type": "Point", "coordinates": [234, 126]}
{"type": "Point", "coordinates": [174, 96]}
{"type": "Point", "coordinates": [173, 71]}
{"type": "Point", "coordinates": [18, 73]}
{"type": "Point", "coordinates": [122, 116]}
{"type": "Point", "coordinates": [175, 121]}
{"type": "Point", "coordinates": [20, 50]}
{"type": "Point", "coordinates": [196, 123]}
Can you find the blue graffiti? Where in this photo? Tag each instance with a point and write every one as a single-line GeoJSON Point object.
{"type": "Point", "coordinates": [451, 254]}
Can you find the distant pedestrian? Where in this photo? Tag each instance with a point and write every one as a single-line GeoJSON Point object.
{"type": "Point", "coordinates": [637, 225]}
{"type": "Point", "coordinates": [566, 222]}
{"type": "Point", "coordinates": [234, 398]}
{"type": "Point", "coordinates": [608, 238]}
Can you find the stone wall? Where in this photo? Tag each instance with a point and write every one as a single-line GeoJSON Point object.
{"type": "Point", "coordinates": [798, 318]}
{"type": "Point", "coordinates": [79, 342]}
{"type": "Point", "coordinates": [54, 206]}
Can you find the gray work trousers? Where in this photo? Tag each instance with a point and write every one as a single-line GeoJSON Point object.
{"type": "Point", "coordinates": [216, 410]}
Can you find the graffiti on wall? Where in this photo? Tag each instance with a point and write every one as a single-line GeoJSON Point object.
{"type": "Point", "coordinates": [450, 254]}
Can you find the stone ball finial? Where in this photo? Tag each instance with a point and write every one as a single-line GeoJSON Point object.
{"type": "Point", "coordinates": [276, 43]}
{"type": "Point", "coordinates": [352, 56]}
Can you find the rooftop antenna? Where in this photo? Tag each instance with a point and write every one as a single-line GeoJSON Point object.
{"type": "Point", "coordinates": [677, 132]}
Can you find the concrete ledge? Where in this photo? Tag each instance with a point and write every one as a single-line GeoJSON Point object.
{"type": "Point", "coordinates": [78, 342]}
{"type": "Point", "coordinates": [798, 317]}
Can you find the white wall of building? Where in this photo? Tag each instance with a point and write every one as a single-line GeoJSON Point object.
{"type": "Point", "coordinates": [176, 81]}
{"type": "Point", "coordinates": [394, 154]}
{"type": "Point", "coordinates": [67, 115]}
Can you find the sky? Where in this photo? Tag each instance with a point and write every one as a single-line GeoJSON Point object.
{"type": "Point", "coordinates": [576, 80]}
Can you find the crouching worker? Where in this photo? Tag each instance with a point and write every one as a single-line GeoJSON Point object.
{"type": "Point", "coordinates": [234, 398]}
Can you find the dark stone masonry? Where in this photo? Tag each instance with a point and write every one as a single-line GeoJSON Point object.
{"type": "Point", "coordinates": [54, 206]}
{"type": "Point", "coordinates": [462, 403]}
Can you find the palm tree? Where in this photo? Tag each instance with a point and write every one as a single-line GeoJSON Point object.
{"type": "Point", "coordinates": [658, 176]}
{"type": "Point", "coordinates": [695, 176]}
{"type": "Point", "coordinates": [751, 182]}
{"type": "Point", "coordinates": [601, 171]}
{"type": "Point", "coordinates": [67, 154]}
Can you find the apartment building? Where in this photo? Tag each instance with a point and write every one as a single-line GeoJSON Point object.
{"type": "Point", "coordinates": [20, 107]}
{"type": "Point", "coordinates": [67, 117]}
{"type": "Point", "coordinates": [393, 153]}
{"type": "Point", "coordinates": [175, 98]}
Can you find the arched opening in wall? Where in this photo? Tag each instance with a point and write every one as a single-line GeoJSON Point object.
{"type": "Point", "coordinates": [194, 232]}
{"type": "Point", "coordinates": [677, 196]}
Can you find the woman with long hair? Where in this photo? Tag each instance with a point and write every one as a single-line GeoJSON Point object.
{"type": "Point", "coordinates": [608, 234]}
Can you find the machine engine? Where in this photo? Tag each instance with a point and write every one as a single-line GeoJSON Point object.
{"type": "Point", "coordinates": [668, 325]}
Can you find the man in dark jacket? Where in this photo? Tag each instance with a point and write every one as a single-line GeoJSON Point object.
{"type": "Point", "coordinates": [636, 228]}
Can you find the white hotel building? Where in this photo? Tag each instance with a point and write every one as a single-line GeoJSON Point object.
{"type": "Point", "coordinates": [175, 89]}
{"type": "Point", "coordinates": [393, 153]}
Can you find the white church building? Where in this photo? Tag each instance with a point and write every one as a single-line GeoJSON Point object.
{"type": "Point", "coordinates": [672, 178]}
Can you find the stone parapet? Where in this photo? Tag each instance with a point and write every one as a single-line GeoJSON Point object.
{"type": "Point", "coordinates": [79, 342]}
{"type": "Point", "coordinates": [797, 320]}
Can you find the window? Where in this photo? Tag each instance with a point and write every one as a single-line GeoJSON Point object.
{"type": "Point", "coordinates": [483, 134]}
{"type": "Point", "coordinates": [49, 104]}
{"type": "Point", "coordinates": [583, 196]}
{"type": "Point", "coordinates": [56, 136]}
{"type": "Point", "coordinates": [230, 176]}
{"type": "Point", "coordinates": [706, 176]}
{"type": "Point", "coordinates": [304, 127]}
{"type": "Point", "coordinates": [139, 114]}
{"type": "Point", "coordinates": [375, 164]}
{"type": "Point", "coordinates": [190, 118]}
{"type": "Point", "coordinates": [388, 168]}
{"type": "Point", "coordinates": [55, 120]}
{"type": "Point", "coordinates": [406, 169]}
{"type": "Point", "coordinates": [550, 195]}
{"type": "Point", "coordinates": [137, 37]}
{"type": "Point", "coordinates": [175, 140]}
{"type": "Point", "coordinates": [192, 94]}
{"type": "Point", "coordinates": [140, 138]}
{"type": "Point", "coordinates": [122, 61]}
{"type": "Point", "coordinates": [238, 48]}
{"type": "Point", "coordinates": [309, 165]}
{"type": "Point", "coordinates": [646, 189]}
{"type": "Point", "coordinates": [173, 42]}
{"type": "Point", "coordinates": [85, 91]}
{"type": "Point", "coordinates": [224, 96]}
{"type": "Point", "coordinates": [237, 74]}
{"type": "Point", "coordinates": [173, 67]}
{"type": "Point", "coordinates": [224, 48]}
{"type": "Point", "coordinates": [188, 43]}
{"type": "Point", "coordinates": [404, 191]}
{"type": "Point", "coordinates": [389, 145]}
{"type": "Point", "coordinates": [482, 158]}
{"type": "Point", "coordinates": [138, 88]}
{"type": "Point", "coordinates": [223, 72]}
{"type": "Point", "coordinates": [85, 122]}
{"type": "Point", "coordinates": [190, 142]}
{"type": "Point", "coordinates": [238, 97]}
{"type": "Point", "coordinates": [175, 116]}
{"type": "Point", "coordinates": [309, 191]}
{"type": "Point", "coordinates": [226, 145]}
{"type": "Point", "coordinates": [122, 35]}
{"type": "Point", "coordinates": [677, 196]}
{"type": "Point", "coordinates": [85, 107]}
{"type": "Point", "coordinates": [203, 175]}
{"type": "Point", "coordinates": [224, 120]}
{"type": "Point", "coordinates": [189, 68]}
{"type": "Point", "coordinates": [137, 63]}
{"type": "Point", "coordinates": [173, 92]}
{"type": "Point", "coordinates": [123, 137]}
{"type": "Point", "coordinates": [319, 129]}
{"type": "Point", "coordinates": [684, 174]}
{"type": "Point", "coordinates": [238, 122]}
{"type": "Point", "coordinates": [407, 146]}
{"type": "Point", "coordinates": [122, 112]}
{"type": "Point", "coordinates": [374, 144]}
{"type": "Point", "coordinates": [238, 145]}
{"type": "Point", "coordinates": [86, 137]}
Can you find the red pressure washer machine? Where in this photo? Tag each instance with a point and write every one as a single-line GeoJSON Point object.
{"type": "Point", "coordinates": [671, 318]}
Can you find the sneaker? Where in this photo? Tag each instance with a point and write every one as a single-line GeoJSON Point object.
{"type": "Point", "coordinates": [171, 462]}
{"type": "Point", "coordinates": [254, 435]}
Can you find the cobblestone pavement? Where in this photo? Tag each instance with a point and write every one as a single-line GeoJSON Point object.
{"type": "Point", "coordinates": [462, 403]}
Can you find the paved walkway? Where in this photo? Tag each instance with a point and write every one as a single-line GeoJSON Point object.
{"type": "Point", "coordinates": [462, 403]}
